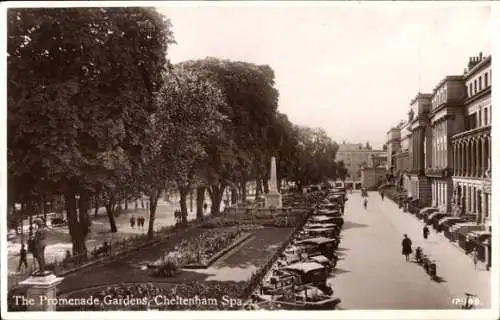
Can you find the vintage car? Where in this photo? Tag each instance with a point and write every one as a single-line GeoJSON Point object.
{"type": "Point", "coordinates": [332, 232]}
{"type": "Point", "coordinates": [305, 297]}
{"type": "Point", "coordinates": [308, 272]}
{"type": "Point", "coordinates": [435, 219]}
{"type": "Point", "coordinates": [426, 211]}
{"type": "Point", "coordinates": [322, 245]}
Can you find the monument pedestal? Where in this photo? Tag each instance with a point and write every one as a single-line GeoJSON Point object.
{"type": "Point", "coordinates": [273, 200]}
{"type": "Point", "coordinates": [39, 290]}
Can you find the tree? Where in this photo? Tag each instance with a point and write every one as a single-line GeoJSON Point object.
{"type": "Point", "coordinates": [80, 93]}
{"type": "Point", "coordinates": [190, 114]}
{"type": "Point", "coordinates": [243, 147]}
{"type": "Point", "coordinates": [341, 170]}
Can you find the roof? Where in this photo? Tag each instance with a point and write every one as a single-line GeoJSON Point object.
{"type": "Point", "coordinates": [447, 78]}
{"type": "Point", "coordinates": [465, 224]}
{"type": "Point", "coordinates": [486, 60]}
{"type": "Point", "coordinates": [317, 240]}
{"type": "Point", "coordinates": [304, 266]}
{"type": "Point", "coordinates": [319, 259]}
{"type": "Point", "coordinates": [320, 225]}
{"type": "Point", "coordinates": [328, 211]}
{"type": "Point", "coordinates": [321, 218]}
{"type": "Point", "coordinates": [321, 229]}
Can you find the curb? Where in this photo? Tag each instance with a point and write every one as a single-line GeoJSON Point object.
{"type": "Point", "coordinates": [220, 253]}
{"type": "Point", "coordinates": [108, 259]}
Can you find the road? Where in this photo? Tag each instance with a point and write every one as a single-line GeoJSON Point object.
{"type": "Point", "coordinates": [373, 274]}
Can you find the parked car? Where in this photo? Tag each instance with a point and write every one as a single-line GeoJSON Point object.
{"type": "Point", "coordinates": [446, 222]}
{"type": "Point", "coordinates": [435, 219]}
{"type": "Point", "coordinates": [426, 211]}
{"type": "Point", "coordinates": [430, 216]}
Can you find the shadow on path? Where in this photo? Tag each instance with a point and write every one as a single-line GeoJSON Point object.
{"type": "Point", "coordinates": [338, 271]}
{"type": "Point", "coordinates": [351, 225]}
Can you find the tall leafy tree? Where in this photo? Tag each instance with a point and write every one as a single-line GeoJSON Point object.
{"type": "Point", "coordinates": [80, 94]}
{"type": "Point", "coordinates": [189, 118]}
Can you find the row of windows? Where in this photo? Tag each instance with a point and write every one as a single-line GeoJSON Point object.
{"type": "Point", "coordinates": [439, 97]}
{"type": "Point", "coordinates": [480, 83]}
{"type": "Point", "coordinates": [480, 118]}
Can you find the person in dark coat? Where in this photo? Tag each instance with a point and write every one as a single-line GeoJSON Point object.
{"type": "Point", "coordinates": [406, 246]}
{"type": "Point", "coordinates": [22, 258]}
{"type": "Point", "coordinates": [426, 232]}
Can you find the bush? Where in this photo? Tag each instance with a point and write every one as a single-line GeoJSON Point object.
{"type": "Point", "coordinates": [167, 269]}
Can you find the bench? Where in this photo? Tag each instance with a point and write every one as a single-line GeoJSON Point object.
{"type": "Point", "coordinates": [102, 251]}
{"type": "Point", "coordinates": [74, 261]}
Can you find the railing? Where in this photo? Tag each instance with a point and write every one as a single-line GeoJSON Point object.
{"type": "Point", "coordinates": [116, 248]}
{"type": "Point", "coordinates": [439, 172]}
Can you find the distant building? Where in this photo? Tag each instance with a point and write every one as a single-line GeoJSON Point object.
{"type": "Point", "coordinates": [355, 157]}
{"type": "Point", "coordinates": [374, 174]}
{"type": "Point", "coordinates": [419, 148]}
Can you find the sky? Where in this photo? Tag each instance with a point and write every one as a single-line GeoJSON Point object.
{"type": "Point", "coordinates": [350, 69]}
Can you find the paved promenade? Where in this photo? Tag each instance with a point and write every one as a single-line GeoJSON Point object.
{"type": "Point", "coordinates": [374, 274]}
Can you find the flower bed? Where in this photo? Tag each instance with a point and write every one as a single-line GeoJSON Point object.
{"type": "Point", "coordinates": [209, 295]}
{"type": "Point", "coordinates": [265, 218]}
{"type": "Point", "coordinates": [201, 250]}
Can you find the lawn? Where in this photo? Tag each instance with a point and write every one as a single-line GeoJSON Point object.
{"type": "Point", "coordinates": [237, 265]}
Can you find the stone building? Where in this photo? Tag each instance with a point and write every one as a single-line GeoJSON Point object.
{"type": "Point", "coordinates": [446, 120]}
{"type": "Point", "coordinates": [393, 145]}
{"type": "Point", "coordinates": [419, 150]}
{"type": "Point", "coordinates": [472, 147]}
{"type": "Point", "coordinates": [355, 157]}
{"type": "Point", "coordinates": [374, 174]}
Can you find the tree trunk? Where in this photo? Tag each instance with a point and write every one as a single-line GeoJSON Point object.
{"type": "Point", "coordinates": [243, 191]}
{"type": "Point", "coordinates": [216, 192]}
{"type": "Point", "coordinates": [183, 192]}
{"type": "Point", "coordinates": [111, 217]}
{"type": "Point", "coordinates": [153, 196]}
{"type": "Point", "coordinates": [258, 188]}
{"type": "Point", "coordinates": [76, 231]}
{"type": "Point", "coordinates": [126, 204]}
{"type": "Point", "coordinates": [265, 183]}
{"type": "Point", "coordinates": [96, 205]}
{"type": "Point", "coordinates": [234, 196]}
{"type": "Point", "coordinates": [200, 199]}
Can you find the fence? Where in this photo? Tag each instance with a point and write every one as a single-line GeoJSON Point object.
{"type": "Point", "coordinates": [116, 249]}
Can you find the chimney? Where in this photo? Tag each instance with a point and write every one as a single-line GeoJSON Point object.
{"type": "Point", "coordinates": [480, 56]}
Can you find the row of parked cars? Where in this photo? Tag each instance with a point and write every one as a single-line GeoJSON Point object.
{"type": "Point", "coordinates": [461, 229]}
{"type": "Point", "coordinates": [300, 278]}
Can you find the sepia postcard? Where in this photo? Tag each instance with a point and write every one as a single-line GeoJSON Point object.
{"type": "Point", "coordinates": [249, 159]}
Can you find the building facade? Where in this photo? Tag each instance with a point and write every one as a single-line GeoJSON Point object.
{"type": "Point", "coordinates": [471, 148]}
{"type": "Point", "coordinates": [355, 157]}
{"type": "Point", "coordinates": [420, 148]}
{"type": "Point", "coordinates": [446, 119]}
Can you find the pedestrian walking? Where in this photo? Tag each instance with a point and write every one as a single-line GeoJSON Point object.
{"type": "Point", "coordinates": [365, 203]}
{"type": "Point", "coordinates": [132, 221]}
{"type": "Point", "coordinates": [382, 194]}
{"type": "Point", "coordinates": [475, 257]}
{"type": "Point", "coordinates": [406, 247]}
{"type": "Point", "coordinates": [23, 254]}
{"type": "Point", "coordinates": [426, 232]}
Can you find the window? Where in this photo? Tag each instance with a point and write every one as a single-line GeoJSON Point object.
{"type": "Point", "coordinates": [480, 81]}
{"type": "Point", "coordinates": [470, 90]}
{"type": "Point", "coordinates": [485, 115]}
{"type": "Point", "coordinates": [475, 86]}
{"type": "Point", "coordinates": [486, 80]}
{"type": "Point", "coordinates": [479, 118]}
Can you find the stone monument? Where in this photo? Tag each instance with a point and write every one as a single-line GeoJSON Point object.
{"type": "Point", "coordinates": [42, 284]}
{"type": "Point", "coordinates": [273, 197]}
